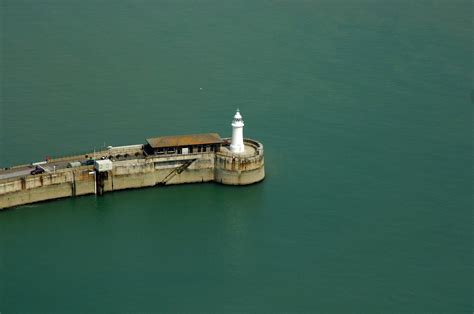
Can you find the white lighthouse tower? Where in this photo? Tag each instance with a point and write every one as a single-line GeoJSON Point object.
{"type": "Point", "coordinates": [237, 144]}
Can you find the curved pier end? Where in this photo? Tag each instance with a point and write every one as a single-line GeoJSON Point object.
{"type": "Point", "coordinates": [240, 168]}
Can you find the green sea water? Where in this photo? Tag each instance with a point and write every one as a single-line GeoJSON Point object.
{"type": "Point", "coordinates": [363, 107]}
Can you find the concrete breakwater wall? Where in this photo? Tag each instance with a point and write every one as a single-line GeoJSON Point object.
{"type": "Point", "coordinates": [30, 189]}
{"type": "Point", "coordinates": [242, 169]}
{"type": "Point", "coordinates": [135, 172]}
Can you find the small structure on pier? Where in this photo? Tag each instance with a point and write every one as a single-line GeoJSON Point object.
{"type": "Point", "coordinates": [184, 144]}
{"type": "Point", "coordinates": [237, 145]}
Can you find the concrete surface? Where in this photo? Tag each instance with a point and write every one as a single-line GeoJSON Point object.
{"type": "Point", "coordinates": [18, 187]}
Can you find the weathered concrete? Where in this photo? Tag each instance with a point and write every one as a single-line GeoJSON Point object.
{"type": "Point", "coordinates": [46, 186]}
{"type": "Point", "coordinates": [223, 167]}
{"type": "Point", "coordinates": [241, 169]}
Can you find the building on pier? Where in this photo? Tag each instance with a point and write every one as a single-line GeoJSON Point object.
{"type": "Point", "coordinates": [184, 144]}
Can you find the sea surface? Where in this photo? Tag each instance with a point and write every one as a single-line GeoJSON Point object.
{"type": "Point", "coordinates": [365, 111]}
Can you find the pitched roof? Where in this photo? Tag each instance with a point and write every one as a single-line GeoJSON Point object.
{"type": "Point", "coordinates": [184, 140]}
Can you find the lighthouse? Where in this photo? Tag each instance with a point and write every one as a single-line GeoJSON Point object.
{"type": "Point", "coordinates": [237, 144]}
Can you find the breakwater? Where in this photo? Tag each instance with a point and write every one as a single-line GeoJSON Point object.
{"type": "Point", "coordinates": [132, 167]}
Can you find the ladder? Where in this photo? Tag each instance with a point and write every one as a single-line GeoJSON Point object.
{"type": "Point", "coordinates": [176, 171]}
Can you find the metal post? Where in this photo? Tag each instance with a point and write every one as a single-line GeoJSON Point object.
{"type": "Point", "coordinates": [95, 182]}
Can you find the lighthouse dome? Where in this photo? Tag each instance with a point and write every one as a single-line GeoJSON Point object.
{"type": "Point", "coordinates": [237, 115]}
{"type": "Point", "coordinates": [238, 121]}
